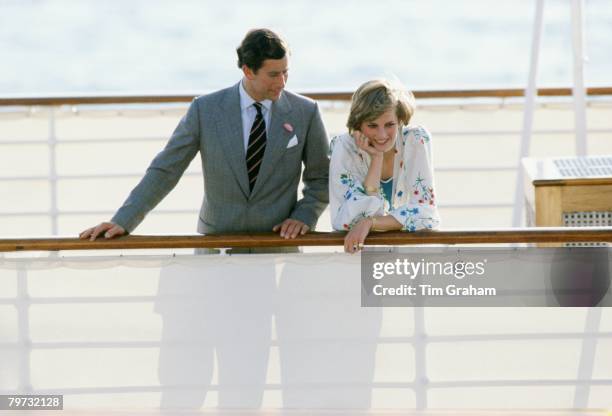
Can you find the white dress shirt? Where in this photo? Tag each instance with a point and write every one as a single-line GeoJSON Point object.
{"type": "Point", "coordinates": [248, 111]}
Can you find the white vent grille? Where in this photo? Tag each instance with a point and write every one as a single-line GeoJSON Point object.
{"type": "Point", "coordinates": [587, 219]}
{"type": "Point", "coordinates": [585, 167]}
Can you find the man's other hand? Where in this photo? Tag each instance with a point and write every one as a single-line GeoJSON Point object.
{"type": "Point", "coordinates": [290, 228]}
{"type": "Point", "coordinates": [109, 229]}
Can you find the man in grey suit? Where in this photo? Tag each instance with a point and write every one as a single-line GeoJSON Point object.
{"type": "Point", "coordinates": [253, 138]}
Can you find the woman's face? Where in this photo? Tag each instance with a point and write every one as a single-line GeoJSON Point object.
{"type": "Point", "coordinates": [381, 132]}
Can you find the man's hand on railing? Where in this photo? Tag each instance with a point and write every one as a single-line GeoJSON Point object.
{"type": "Point", "coordinates": [109, 229]}
{"type": "Point", "coordinates": [290, 228]}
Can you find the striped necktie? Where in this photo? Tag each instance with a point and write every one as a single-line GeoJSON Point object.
{"type": "Point", "coordinates": [257, 146]}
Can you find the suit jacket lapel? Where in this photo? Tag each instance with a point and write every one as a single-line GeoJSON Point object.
{"type": "Point", "coordinates": [229, 123]}
{"type": "Point", "coordinates": [278, 137]}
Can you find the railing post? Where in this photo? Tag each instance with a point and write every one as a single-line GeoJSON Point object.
{"type": "Point", "coordinates": [23, 330]}
{"type": "Point", "coordinates": [420, 357]}
{"type": "Point", "coordinates": [587, 358]}
{"type": "Point", "coordinates": [578, 90]}
{"type": "Point", "coordinates": [530, 95]}
{"type": "Point", "coordinates": [52, 143]}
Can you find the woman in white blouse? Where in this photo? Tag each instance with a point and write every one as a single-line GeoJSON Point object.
{"type": "Point", "coordinates": [381, 172]}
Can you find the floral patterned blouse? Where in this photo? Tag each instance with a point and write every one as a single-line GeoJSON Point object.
{"type": "Point", "coordinates": [414, 199]}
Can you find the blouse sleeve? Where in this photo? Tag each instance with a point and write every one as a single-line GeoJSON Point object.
{"type": "Point", "coordinates": [420, 210]}
{"type": "Point", "coordinates": [349, 202]}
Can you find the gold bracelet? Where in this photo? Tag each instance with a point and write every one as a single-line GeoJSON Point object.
{"type": "Point", "coordinates": [371, 190]}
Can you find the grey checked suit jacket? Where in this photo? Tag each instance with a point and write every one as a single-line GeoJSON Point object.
{"type": "Point", "coordinates": [213, 126]}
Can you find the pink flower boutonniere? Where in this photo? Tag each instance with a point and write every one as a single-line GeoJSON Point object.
{"type": "Point", "coordinates": [288, 127]}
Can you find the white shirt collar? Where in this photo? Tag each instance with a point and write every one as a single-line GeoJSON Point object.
{"type": "Point", "coordinates": [246, 101]}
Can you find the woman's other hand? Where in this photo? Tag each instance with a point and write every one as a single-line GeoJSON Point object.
{"type": "Point", "coordinates": [355, 239]}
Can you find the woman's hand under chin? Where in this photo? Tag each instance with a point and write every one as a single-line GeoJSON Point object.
{"type": "Point", "coordinates": [362, 142]}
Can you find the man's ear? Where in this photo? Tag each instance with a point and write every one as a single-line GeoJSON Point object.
{"type": "Point", "coordinates": [248, 72]}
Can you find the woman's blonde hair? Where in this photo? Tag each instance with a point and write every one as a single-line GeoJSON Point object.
{"type": "Point", "coordinates": [375, 98]}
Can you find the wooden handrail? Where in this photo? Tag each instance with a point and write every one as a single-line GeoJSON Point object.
{"type": "Point", "coordinates": [494, 236]}
{"type": "Point", "coordinates": [323, 96]}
